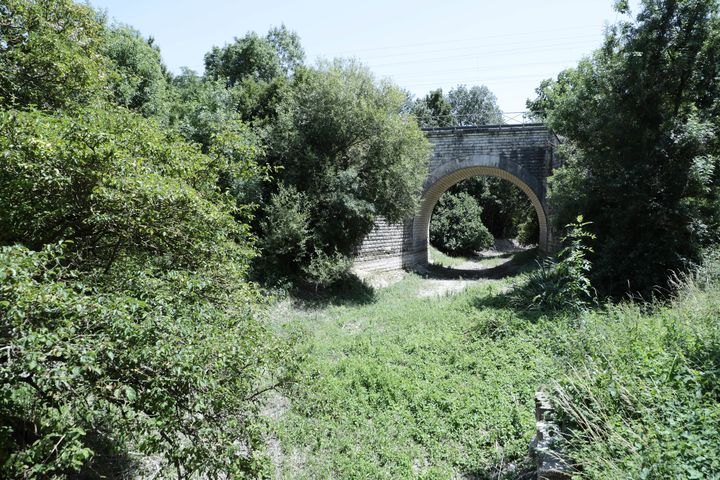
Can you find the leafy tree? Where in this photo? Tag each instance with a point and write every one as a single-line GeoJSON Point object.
{"type": "Point", "coordinates": [256, 58]}
{"type": "Point", "coordinates": [138, 78]}
{"type": "Point", "coordinates": [462, 106]}
{"type": "Point", "coordinates": [341, 142]}
{"type": "Point", "coordinates": [433, 111]}
{"type": "Point", "coordinates": [257, 69]}
{"type": "Point", "coordinates": [125, 313]}
{"type": "Point", "coordinates": [200, 107]}
{"type": "Point", "coordinates": [249, 57]}
{"type": "Point", "coordinates": [288, 47]}
{"type": "Point", "coordinates": [476, 105]}
{"type": "Point", "coordinates": [641, 120]}
{"type": "Point", "coordinates": [504, 206]}
{"type": "Point", "coordinates": [456, 226]}
{"type": "Point", "coordinates": [257, 101]}
{"type": "Point", "coordinates": [49, 54]}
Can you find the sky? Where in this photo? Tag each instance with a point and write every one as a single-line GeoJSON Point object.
{"type": "Point", "coordinates": [509, 46]}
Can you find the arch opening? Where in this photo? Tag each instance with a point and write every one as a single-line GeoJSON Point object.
{"type": "Point", "coordinates": [433, 192]}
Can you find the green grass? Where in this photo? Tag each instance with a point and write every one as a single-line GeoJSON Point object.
{"type": "Point", "coordinates": [439, 258]}
{"type": "Point", "coordinates": [407, 387]}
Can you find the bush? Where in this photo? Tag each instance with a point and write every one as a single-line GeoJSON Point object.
{"type": "Point", "coordinates": [563, 282]}
{"type": "Point", "coordinates": [456, 225]}
{"type": "Point", "coordinates": [49, 54]}
{"type": "Point", "coordinates": [157, 367]}
{"type": "Point", "coordinates": [142, 330]}
{"type": "Point", "coordinates": [339, 139]}
{"type": "Point", "coordinates": [529, 230]}
{"type": "Point", "coordinates": [324, 270]}
{"type": "Point", "coordinates": [505, 208]}
{"type": "Point", "coordinates": [284, 232]}
{"type": "Point", "coordinates": [641, 399]}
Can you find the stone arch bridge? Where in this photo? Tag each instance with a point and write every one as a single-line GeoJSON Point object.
{"type": "Point", "coordinates": [521, 154]}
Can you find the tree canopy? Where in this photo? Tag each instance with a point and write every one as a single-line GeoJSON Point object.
{"type": "Point", "coordinates": [462, 106]}
{"type": "Point", "coordinates": [640, 119]}
{"type": "Point", "coordinates": [341, 142]}
{"type": "Point", "coordinates": [49, 54]}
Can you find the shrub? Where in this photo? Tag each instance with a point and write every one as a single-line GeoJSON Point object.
{"type": "Point", "coordinates": [142, 330]}
{"type": "Point", "coordinates": [158, 366]}
{"type": "Point", "coordinates": [642, 399]}
{"type": "Point", "coordinates": [284, 231]}
{"type": "Point", "coordinates": [456, 225]}
{"type": "Point", "coordinates": [529, 230]}
{"type": "Point", "coordinates": [505, 208]}
{"type": "Point", "coordinates": [338, 137]}
{"type": "Point", "coordinates": [324, 270]}
{"type": "Point", "coordinates": [562, 282]}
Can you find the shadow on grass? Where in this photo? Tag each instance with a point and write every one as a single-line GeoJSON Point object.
{"type": "Point", "coordinates": [516, 263]}
{"type": "Point", "coordinates": [520, 298]}
{"type": "Point", "coordinates": [348, 291]}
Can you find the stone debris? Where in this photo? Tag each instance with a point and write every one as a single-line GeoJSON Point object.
{"type": "Point", "coordinates": [551, 464]}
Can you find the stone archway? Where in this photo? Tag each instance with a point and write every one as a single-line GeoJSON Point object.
{"type": "Point", "coordinates": [484, 166]}
{"type": "Point", "coordinates": [521, 154]}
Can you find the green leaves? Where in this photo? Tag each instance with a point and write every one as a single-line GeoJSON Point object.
{"type": "Point", "coordinates": [136, 76]}
{"type": "Point", "coordinates": [462, 106]}
{"type": "Point", "coordinates": [456, 225]}
{"type": "Point", "coordinates": [145, 316]}
{"type": "Point", "coordinates": [339, 140]}
{"type": "Point", "coordinates": [49, 54]}
{"type": "Point", "coordinates": [114, 184]}
{"type": "Point", "coordinates": [83, 363]}
{"type": "Point", "coordinates": [255, 58]}
{"type": "Point", "coordinates": [562, 283]}
{"type": "Point", "coordinates": [640, 122]}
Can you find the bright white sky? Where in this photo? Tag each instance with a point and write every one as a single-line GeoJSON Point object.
{"type": "Point", "coordinates": [510, 46]}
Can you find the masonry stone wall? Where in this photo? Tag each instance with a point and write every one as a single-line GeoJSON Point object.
{"type": "Point", "coordinates": [387, 247]}
{"type": "Point", "coordinates": [521, 154]}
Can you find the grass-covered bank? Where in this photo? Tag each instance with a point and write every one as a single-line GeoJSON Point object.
{"type": "Point", "coordinates": [441, 387]}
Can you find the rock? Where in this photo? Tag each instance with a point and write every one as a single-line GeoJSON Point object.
{"type": "Point", "coordinates": [551, 464]}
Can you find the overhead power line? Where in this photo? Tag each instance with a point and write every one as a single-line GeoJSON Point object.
{"type": "Point", "coordinates": [478, 70]}
{"type": "Point", "coordinates": [459, 40]}
{"type": "Point", "coordinates": [475, 46]}
{"type": "Point", "coordinates": [474, 55]}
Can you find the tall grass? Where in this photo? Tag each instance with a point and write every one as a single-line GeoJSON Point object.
{"type": "Point", "coordinates": [644, 400]}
